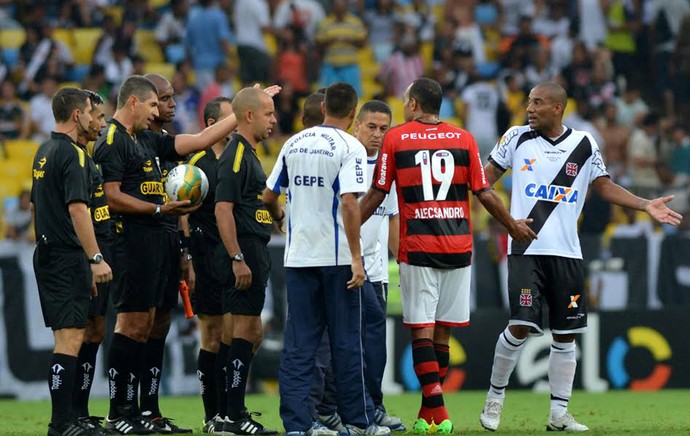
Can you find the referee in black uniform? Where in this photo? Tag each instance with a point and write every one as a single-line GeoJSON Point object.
{"type": "Point", "coordinates": [67, 260]}
{"type": "Point", "coordinates": [245, 229]}
{"type": "Point", "coordinates": [206, 298]}
{"type": "Point", "coordinates": [129, 161]}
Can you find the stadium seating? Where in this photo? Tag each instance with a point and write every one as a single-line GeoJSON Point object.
{"type": "Point", "coordinates": [84, 44]}
{"type": "Point", "coordinates": [10, 56]}
{"type": "Point", "coordinates": [162, 68]}
{"type": "Point", "coordinates": [12, 38]}
{"type": "Point", "coordinates": [16, 169]}
{"type": "Point", "coordinates": [20, 149]}
{"type": "Point", "coordinates": [148, 47]}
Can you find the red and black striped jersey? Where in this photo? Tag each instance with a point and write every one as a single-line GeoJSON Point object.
{"type": "Point", "coordinates": [433, 167]}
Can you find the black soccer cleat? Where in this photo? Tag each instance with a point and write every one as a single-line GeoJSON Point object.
{"type": "Point", "coordinates": [246, 426]}
{"type": "Point", "coordinates": [164, 425]}
{"type": "Point", "coordinates": [129, 425]}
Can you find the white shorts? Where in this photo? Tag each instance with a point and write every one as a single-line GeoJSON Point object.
{"type": "Point", "coordinates": [433, 296]}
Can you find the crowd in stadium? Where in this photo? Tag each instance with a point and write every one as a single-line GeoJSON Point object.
{"type": "Point", "coordinates": [624, 63]}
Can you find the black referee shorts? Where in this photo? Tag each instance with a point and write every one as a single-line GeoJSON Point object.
{"type": "Point", "coordinates": [206, 298]}
{"type": "Point", "coordinates": [63, 276]}
{"type": "Point", "coordinates": [250, 301]}
{"type": "Point", "coordinates": [172, 273]}
{"type": "Point", "coordinates": [554, 281]}
{"type": "Point", "coordinates": [99, 303]}
{"type": "Point", "coordinates": [142, 258]}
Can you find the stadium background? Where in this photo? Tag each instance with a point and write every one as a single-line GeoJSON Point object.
{"type": "Point", "coordinates": [606, 54]}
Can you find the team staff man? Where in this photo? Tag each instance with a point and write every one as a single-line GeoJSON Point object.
{"type": "Point", "coordinates": [67, 262]}
{"type": "Point", "coordinates": [323, 171]}
{"type": "Point", "coordinates": [215, 326]}
{"type": "Point", "coordinates": [134, 190]}
{"type": "Point", "coordinates": [434, 166]}
{"type": "Point", "coordinates": [553, 167]}
{"type": "Point", "coordinates": [245, 229]}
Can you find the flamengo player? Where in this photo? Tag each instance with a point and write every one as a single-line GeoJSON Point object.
{"type": "Point", "coordinates": [434, 166]}
{"type": "Point", "coordinates": [553, 166]}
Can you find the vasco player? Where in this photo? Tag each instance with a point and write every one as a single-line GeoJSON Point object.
{"type": "Point", "coordinates": [134, 190]}
{"type": "Point", "coordinates": [553, 167]}
{"type": "Point", "coordinates": [434, 166]}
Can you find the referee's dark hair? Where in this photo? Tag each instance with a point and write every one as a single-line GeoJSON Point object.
{"type": "Point", "coordinates": [212, 108]}
{"type": "Point", "coordinates": [94, 97]}
{"type": "Point", "coordinates": [138, 86]}
{"type": "Point", "coordinates": [340, 100]}
{"type": "Point", "coordinates": [312, 115]}
{"type": "Point", "coordinates": [374, 106]}
{"type": "Point", "coordinates": [427, 92]}
{"type": "Point", "coordinates": [65, 101]}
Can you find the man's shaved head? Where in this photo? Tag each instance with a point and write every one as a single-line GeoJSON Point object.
{"type": "Point", "coordinates": [159, 81]}
{"type": "Point", "coordinates": [554, 91]}
{"type": "Point", "coordinates": [246, 99]}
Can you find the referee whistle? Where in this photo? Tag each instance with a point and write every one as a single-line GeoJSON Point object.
{"type": "Point", "coordinates": [186, 303]}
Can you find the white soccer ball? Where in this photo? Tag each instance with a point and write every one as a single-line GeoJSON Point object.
{"type": "Point", "coordinates": [186, 182]}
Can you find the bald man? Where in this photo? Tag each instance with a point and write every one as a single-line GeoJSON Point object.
{"type": "Point", "coordinates": [553, 167]}
{"type": "Point", "coordinates": [245, 227]}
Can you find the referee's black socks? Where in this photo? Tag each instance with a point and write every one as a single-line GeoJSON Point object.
{"type": "Point", "coordinates": [206, 370]}
{"type": "Point", "coordinates": [151, 377]}
{"type": "Point", "coordinates": [123, 374]}
{"type": "Point", "coordinates": [85, 370]}
{"type": "Point", "coordinates": [239, 358]}
{"type": "Point", "coordinates": [61, 376]}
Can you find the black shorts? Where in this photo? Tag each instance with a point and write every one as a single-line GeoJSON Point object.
{"type": "Point", "coordinates": [173, 275]}
{"type": "Point", "coordinates": [143, 261]}
{"type": "Point", "coordinates": [251, 301]}
{"type": "Point", "coordinates": [206, 298]}
{"type": "Point", "coordinates": [558, 282]}
{"type": "Point", "coordinates": [99, 303]}
{"type": "Point", "coordinates": [63, 276]}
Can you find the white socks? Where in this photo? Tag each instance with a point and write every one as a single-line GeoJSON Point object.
{"type": "Point", "coordinates": [562, 365]}
{"type": "Point", "coordinates": [507, 352]}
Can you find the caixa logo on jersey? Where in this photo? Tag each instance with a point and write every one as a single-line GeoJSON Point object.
{"type": "Point", "coordinates": [554, 193]}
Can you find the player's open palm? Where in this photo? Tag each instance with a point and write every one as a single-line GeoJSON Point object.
{"type": "Point", "coordinates": [521, 231]}
{"type": "Point", "coordinates": [183, 207]}
{"type": "Point", "coordinates": [243, 275]}
{"type": "Point", "coordinates": [658, 210]}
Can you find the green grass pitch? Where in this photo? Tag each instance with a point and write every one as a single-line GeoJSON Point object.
{"type": "Point", "coordinates": [621, 412]}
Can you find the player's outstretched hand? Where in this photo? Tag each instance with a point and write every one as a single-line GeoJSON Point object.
{"type": "Point", "coordinates": [521, 231]}
{"type": "Point", "coordinates": [243, 275]}
{"type": "Point", "coordinates": [658, 210]}
{"type": "Point", "coordinates": [179, 207]}
{"type": "Point", "coordinates": [272, 90]}
{"type": "Point", "coordinates": [357, 279]}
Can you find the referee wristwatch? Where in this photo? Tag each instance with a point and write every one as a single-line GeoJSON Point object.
{"type": "Point", "coordinates": [239, 257]}
{"type": "Point", "coordinates": [157, 213]}
{"type": "Point", "coordinates": [96, 259]}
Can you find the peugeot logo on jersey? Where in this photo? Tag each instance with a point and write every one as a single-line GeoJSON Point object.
{"type": "Point", "coordinates": [554, 193]}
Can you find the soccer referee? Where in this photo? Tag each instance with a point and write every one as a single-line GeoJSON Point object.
{"type": "Point", "coordinates": [67, 260]}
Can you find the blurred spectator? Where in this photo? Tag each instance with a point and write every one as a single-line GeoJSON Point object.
{"type": "Point", "coordinates": [41, 112]}
{"type": "Point", "coordinates": [623, 21]}
{"type": "Point", "coordinates": [682, 69]}
{"type": "Point", "coordinates": [592, 30]}
{"type": "Point", "coordinates": [480, 105]}
{"type": "Point", "coordinates": [520, 46]}
{"type": "Point", "coordinates": [578, 74]}
{"type": "Point", "coordinates": [666, 18]}
{"type": "Point", "coordinates": [562, 47]}
{"type": "Point", "coordinates": [602, 89]}
{"type": "Point", "coordinates": [301, 16]}
{"type": "Point", "coordinates": [171, 28]}
{"type": "Point", "coordinates": [552, 18]}
{"type": "Point", "coordinates": [420, 15]}
{"type": "Point", "coordinates": [76, 14]}
{"type": "Point", "coordinates": [615, 136]}
{"type": "Point", "coordinates": [252, 20]}
{"type": "Point", "coordinates": [48, 50]}
{"type": "Point", "coordinates": [4, 71]}
{"type": "Point", "coordinates": [138, 65]}
{"type": "Point", "coordinates": [340, 37]}
{"type": "Point", "coordinates": [291, 63]}
{"type": "Point", "coordinates": [457, 75]}
{"type": "Point", "coordinates": [97, 82]}
{"type": "Point", "coordinates": [403, 66]}
{"type": "Point", "coordinates": [515, 99]}
{"type": "Point", "coordinates": [13, 120]}
{"type": "Point", "coordinates": [118, 67]}
{"type": "Point", "coordinates": [222, 86]}
{"type": "Point", "coordinates": [511, 13]}
{"type": "Point", "coordinates": [468, 35]}
{"type": "Point", "coordinates": [208, 40]}
{"type": "Point", "coordinates": [104, 46]}
{"type": "Point", "coordinates": [18, 220]}
{"type": "Point", "coordinates": [381, 23]}
{"type": "Point", "coordinates": [631, 107]}
{"type": "Point", "coordinates": [187, 103]}
{"type": "Point", "coordinates": [581, 119]}
{"type": "Point", "coordinates": [643, 157]}
{"type": "Point", "coordinates": [540, 69]}
{"type": "Point", "coordinates": [442, 56]}
{"type": "Point", "coordinates": [680, 156]}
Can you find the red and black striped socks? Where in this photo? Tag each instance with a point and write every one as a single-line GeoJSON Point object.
{"type": "Point", "coordinates": [427, 369]}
